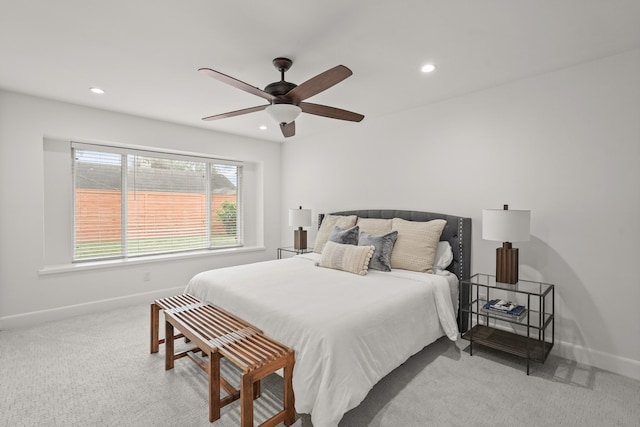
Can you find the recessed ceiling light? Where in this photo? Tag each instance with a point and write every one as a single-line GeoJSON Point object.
{"type": "Point", "coordinates": [97, 90]}
{"type": "Point", "coordinates": [428, 68]}
{"type": "Point", "coordinates": [263, 127]}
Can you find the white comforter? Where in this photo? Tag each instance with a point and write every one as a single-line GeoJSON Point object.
{"type": "Point", "coordinates": [348, 331]}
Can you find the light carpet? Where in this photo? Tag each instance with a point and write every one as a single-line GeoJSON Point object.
{"type": "Point", "coordinates": [96, 370]}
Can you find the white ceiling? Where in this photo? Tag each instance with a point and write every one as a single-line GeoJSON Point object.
{"type": "Point", "coordinates": [145, 54]}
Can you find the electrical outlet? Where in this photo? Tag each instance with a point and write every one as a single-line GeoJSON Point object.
{"type": "Point", "coordinates": [147, 276]}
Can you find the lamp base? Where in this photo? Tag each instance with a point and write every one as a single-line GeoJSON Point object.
{"type": "Point", "coordinates": [507, 264]}
{"type": "Point", "coordinates": [300, 239]}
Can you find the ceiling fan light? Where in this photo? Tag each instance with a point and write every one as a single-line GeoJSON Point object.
{"type": "Point", "coordinates": [283, 113]}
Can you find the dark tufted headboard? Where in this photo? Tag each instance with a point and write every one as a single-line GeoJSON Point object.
{"type": "Point", "coordinates": [457, 232]}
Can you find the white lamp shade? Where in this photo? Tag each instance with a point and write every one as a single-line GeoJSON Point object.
{"type": "Point", "coordinates": [283, 113]}
{"type": "Point", "coordinates": [299, 217]}
{"type": "Point", "coordinates": [506, 225]}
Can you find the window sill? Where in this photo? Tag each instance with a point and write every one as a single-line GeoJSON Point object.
{"type": "Point", "coordinates": [84, 266]}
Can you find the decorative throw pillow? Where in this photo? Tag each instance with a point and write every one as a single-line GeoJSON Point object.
{"type": "Point", "coordinates": [346, 237]}
{"type": "Point", "coordinates": [375, 226]}
{"type": "Point", "coordinates": [328, 222]}
{"type": "Point", "coordinates": [415, 247]}
{"type": "Point", "coordinates": [350, 258]}
{"type": "Point", "coordinates": [381, 259]}
{"type": "Point", "coordinates": [444, 256]}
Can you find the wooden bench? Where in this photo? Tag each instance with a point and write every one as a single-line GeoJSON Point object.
{"type": "Point", "coordinates": [217, 333]}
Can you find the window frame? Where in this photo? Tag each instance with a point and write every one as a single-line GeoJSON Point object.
{"type": "Point", "coordinates": [210, 163]}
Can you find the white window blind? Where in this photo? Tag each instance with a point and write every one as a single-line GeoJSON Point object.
{"type": "Point", "coordinates": [98, 204]}
{"type": "Point", "coordinates": [131, 202]}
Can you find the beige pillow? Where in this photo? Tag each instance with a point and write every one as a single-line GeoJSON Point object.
{"type": "Point", "coordinates": [375, 226]}
{"type": "Point", "coordinates": [328, 222]}
{"type": "Point", "coordinates": [350, 258]}
{"type": "Point", "coordinates": [415, 247]}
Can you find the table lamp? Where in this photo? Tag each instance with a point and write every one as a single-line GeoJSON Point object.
{"type": "Point", "coordinates": [299, 218]}
{"type": "Point", "coordinates": [506, 225]}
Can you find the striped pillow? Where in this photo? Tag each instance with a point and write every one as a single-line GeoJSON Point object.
{"type": "Point", "coordinates": [350, 258]}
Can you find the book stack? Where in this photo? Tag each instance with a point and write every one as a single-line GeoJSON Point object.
{"type": "Point", "coordinates": [505, 309]}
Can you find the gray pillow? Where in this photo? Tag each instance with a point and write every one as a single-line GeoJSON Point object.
{"type": "Point", "coordinates": [345, 237]}
{"type": "Point", "coordinates": [381, 259]}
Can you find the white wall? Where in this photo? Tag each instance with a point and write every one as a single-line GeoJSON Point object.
{"type": "Point", "coordinates": [565, 145]}
{"type": "Point", "coordinates": [27, 294]}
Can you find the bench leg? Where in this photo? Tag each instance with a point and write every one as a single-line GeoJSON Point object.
{"type": "Point", "coordinates": [213, 372]}
{"type": "Point", "coordinates": [246, 401]}
{"type": "Point", "coordinates": [155, 325]}
{"type": "Point", "coordinates": [289, 399]}
{"type": "Point", "coordinates": [168, 346]}
{"type": "Point", "coordinates": [257, 392]}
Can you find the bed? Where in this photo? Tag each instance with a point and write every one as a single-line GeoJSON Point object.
{"type": "Point", "coordinates": [348, 330]}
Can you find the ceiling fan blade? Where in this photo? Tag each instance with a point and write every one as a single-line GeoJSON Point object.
{"type": "Point", "coordinates": [237, 83]}
{"type": "Point", "coordinates": [317, 84]}
{"type": "Point", "coordinates": [288, 129]}
{"type": "Point", "coordinates": [331, 112]}
{"type": "Point", "coordinates": [235, 113]}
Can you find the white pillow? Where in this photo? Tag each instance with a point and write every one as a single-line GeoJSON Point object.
{"type": "Point", "coordinates": [328, 222]}
{"type": "Point", "coordinates": [350, 258]}
{"type": "Point", "coordinates": [374, 226]}
{"type": "Point", "coordinates": [444, 256]}
{"type": "Point", "coordinates": [415, 248]}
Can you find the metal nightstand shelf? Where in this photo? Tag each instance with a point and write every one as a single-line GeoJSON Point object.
{"type": "Point", "coordinates": [529, 336]}
{"type": "Point", "coordinates": [292, 250]}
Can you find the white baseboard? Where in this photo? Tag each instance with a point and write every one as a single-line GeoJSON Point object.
{"type": "Point", "coordinates": [598, 359]}
{"type": "Point", "coordinates": [59, 313]}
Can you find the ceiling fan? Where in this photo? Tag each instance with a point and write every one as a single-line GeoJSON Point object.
{"type": "Point", "coordinates": [286, 99]}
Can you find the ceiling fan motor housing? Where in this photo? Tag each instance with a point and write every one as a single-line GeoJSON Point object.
{"type": "Point", "coordinates": [279, 88]}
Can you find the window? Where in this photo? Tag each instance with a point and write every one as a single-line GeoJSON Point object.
{"type": "Point", "coordinates": [131, 203]}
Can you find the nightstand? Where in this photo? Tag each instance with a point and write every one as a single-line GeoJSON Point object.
{"type": "Point", "coordinates": [291, 249]}
{"type": "Point", "coordinates": [530, 335]}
